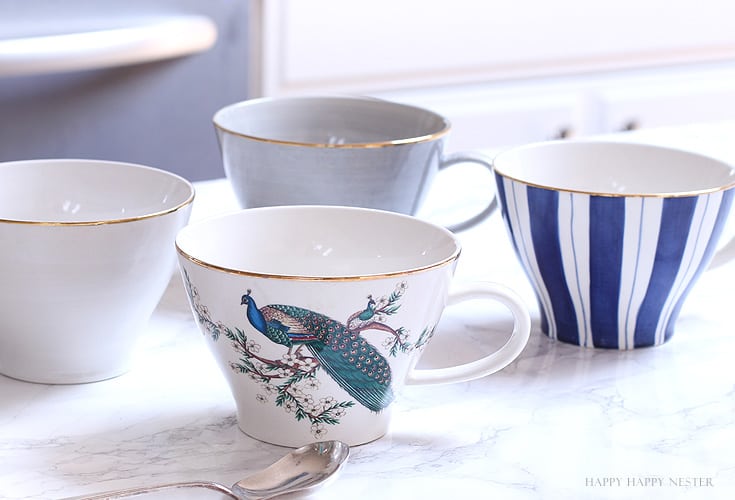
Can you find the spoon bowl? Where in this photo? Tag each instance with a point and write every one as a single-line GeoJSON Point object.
{"type": "Point", "coordinates": [302, 469]}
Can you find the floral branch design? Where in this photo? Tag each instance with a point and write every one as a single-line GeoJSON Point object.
{"type": "Point", "coordinates": [291, 380]}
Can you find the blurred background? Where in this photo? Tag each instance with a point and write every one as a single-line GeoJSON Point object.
{"type": "Point", "coordinates": [139, 80]}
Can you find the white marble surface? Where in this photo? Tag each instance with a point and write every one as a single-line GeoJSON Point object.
{"type": "Point", "coordinates": [560, 422]}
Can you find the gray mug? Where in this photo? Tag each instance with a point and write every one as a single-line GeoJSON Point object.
{"type": "Point", "coordinates": [351, 151]}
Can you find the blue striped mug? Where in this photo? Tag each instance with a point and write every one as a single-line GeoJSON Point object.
{"type": "Point", "coordinates": [613, 235]}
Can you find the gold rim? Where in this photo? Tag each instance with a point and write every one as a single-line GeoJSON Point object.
{"type": "Point", "coordinates": [676, 194]}
{"type": "Point", "coordinates": [103, 222]}
{"type": "Point", "coordinates": [188, 201]}
{"type": "Point", "coordinates": [354, 145]}
{"type": "Point", "coordinates": [290, 277]}
{"type": "Point", "coordinates": [283, 210]}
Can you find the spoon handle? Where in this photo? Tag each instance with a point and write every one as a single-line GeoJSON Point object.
{"type": "Point", "coordinates": [143, 490]}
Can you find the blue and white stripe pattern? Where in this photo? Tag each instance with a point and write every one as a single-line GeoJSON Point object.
{"type": "Point", "coordinates": [611, 271]}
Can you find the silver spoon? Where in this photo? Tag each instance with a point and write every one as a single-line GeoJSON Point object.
{"type": "Point", "coordinates": [304, 468]}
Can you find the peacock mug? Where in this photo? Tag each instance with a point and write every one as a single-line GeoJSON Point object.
{"type": "Point", "coordinates": [613, 235]}
{"type": "Point", "coordinates": [349, 151]}
{"type": "Point", "coordinates": [317, 330]}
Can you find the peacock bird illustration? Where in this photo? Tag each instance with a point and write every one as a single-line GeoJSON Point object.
{"type": "Point", "coordinates": [340, 349]}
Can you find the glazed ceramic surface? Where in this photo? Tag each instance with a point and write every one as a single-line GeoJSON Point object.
{"type": "Point", "coordinates": [86, 251]}
{"type": "Point", "coordinates": [560, 422]}
{"type": "Point", "coordinates": [613, 235]}
{"type": "Point", "coordinates": [336, 151]}
{"type": "Point", "coordinates": [317, 315]}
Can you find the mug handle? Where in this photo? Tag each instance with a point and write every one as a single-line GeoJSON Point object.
{"type": "Point", "coordinates": [480, 159]}
{"type": "Point", "coordinates": [492, 362]}
{"type": "Point", "coordinates": [724, 255]}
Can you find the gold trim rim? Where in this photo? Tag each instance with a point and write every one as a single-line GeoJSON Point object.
{"type": "Point", "coordinates": [320, 145]}
{"type": "Point", "coordinates": [66, 223]}
{"type": "Point", "coordinates": [676, 194]}
{"type": "Point", "coordinates": [294, 277]}
{"type": "Point", "coordinates": [447, 260]}
{"type": "Point", "coordinates": [150, 215]}
{"type": "Point", "coordinates": [680, 194]}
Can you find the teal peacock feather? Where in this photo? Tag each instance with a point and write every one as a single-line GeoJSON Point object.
{"type": "Point", "coordinates": [355, 364]}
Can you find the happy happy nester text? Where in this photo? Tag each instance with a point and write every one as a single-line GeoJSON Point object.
{"type": "Point", "coordinates": [648, 482]}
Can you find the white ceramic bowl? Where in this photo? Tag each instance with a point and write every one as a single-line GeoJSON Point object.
{"type": "Point", "coordinates": [86, 251]}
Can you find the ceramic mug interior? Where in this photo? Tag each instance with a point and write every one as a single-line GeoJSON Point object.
{"type": "Point", "coordinates": [86, 191]}
{"type": "Point", "coordinates": [318, 242]}
{"type": "Point", "coordinates": [330, 121]}
{"type": "Point", "coordinates": [614, 168]}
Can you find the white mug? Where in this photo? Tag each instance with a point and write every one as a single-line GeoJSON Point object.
{"type": "Point", "coordinates": [85, 256]}
{"type": "Point", "coordinates": [317, 315]}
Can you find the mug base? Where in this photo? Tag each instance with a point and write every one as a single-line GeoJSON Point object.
{"type": "Point", "coordinates": [297, 441]}
{"type": "Point", "coordinates": [67, 378]}
{"type": "Point", "coordinates": [604, 346]}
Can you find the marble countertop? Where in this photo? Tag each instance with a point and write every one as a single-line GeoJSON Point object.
{"type": "Point", "coordinates": [559, 422]}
